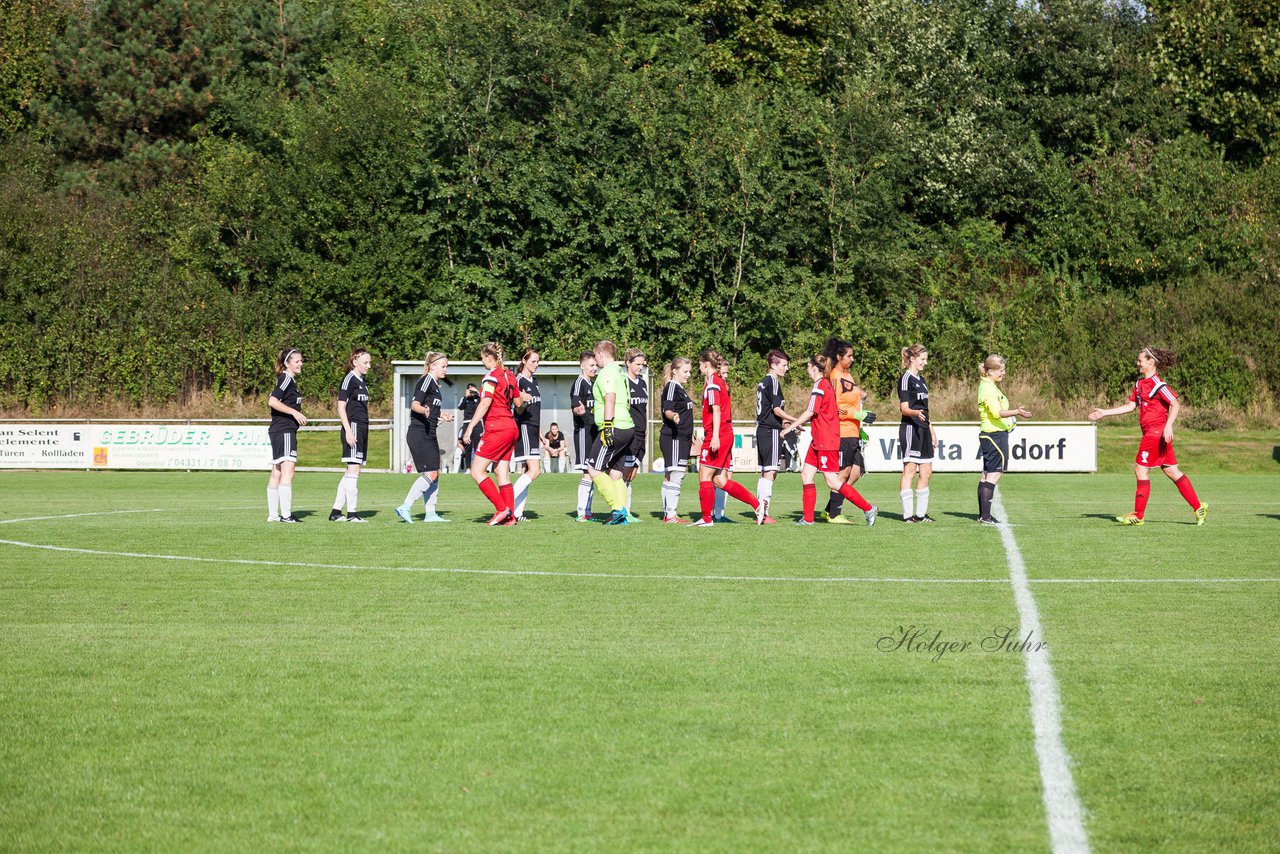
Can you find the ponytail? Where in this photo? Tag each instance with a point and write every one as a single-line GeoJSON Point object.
{"type": "Point", "coordinates": [355, 354]}
{"type": "Point", "coordinates": [1162, 357]}
{"type": "Point", "coordinates": [494, 349]}
{"type": "Point", "coordinates": [909, 353]}
{"type": "Point", "coordinates": [714, 359]}
{"type": "Point", "coordinates": [284, 356]}
{"type": "Point", "coordinates": [525, 354]}
{"type": "Point", "coordinates": [431, 359]}
{"type": "Point", "coordinates": [994, 362]}
{"type": "Point", "coordinates": [670, 368]}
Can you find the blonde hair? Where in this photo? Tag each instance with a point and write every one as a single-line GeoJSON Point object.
{"type": "Point", "coordinates": [432, 358]}
{"type": "Point", "coordinates": [355, 354]}
{"type": "Point", "coordinates": [909, 353]}
{"type": "Point", "coordinates": [994, 362]}
{"type": "Point", "coordinates": [605, 348]}
{"type": "Point", "coordinates": [494, 349]}
{"type": "Point", "coordinates": [714, 359]}
{"type": "Point", "coordinates": [670, 368]}
{"type": "Point", "coordinates": [633, 353]}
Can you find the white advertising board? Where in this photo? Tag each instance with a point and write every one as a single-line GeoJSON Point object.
{"type": "Point", "coordinates": [43, 446]}
{"type": "Point", "coordinates": [1052, 447]}
{"type": "Point", "coordinates": [178, 446]}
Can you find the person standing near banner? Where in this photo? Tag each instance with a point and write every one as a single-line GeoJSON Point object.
{"type": "Point", "coordinates": [996, 419]}
{"type": "Point", "coordinates": [285, 404]}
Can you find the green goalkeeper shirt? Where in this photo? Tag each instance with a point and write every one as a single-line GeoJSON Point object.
{"type": "Point", "coordinates": [612, 379]}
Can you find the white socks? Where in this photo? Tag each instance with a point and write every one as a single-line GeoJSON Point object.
{"type": "Point", "coordinates": [764, 489]}
{"type": "Point", "coordinates": [922, 501]}
{"type": "Point", "coordinates": [585, 489]}
{"type": "Point", "coordinates": [430, 492]}
{"type": "Point", "coordinates": [907, 512]}
{"type": "Point", "coordinates": [721, 498]}
{"type": "Point", "coordinates": [522, 492]}
{"type": "Point", "coordinates": [286, 500]}
{"type": "Point", "coordinates": [348, 493]}
{"type": "Point", "coordinates": [416, 491]}
{"type": "Point", "coordinates": [273, 502]}
{"type": "Point", "coordinates": [671, 494]}
{"type": "Point", "coordinates": [629, 497]}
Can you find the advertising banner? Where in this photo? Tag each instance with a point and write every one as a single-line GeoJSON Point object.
{"type": "Point", "coordinates": [179, 446]}
{"type": "Point", "coordinates": [43, 446]}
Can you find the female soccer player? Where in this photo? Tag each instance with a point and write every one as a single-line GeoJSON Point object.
{"type": "Point", "coordinates": [915, 434]}
{"type": "Point", "coordinates": [715, 465]}
{"type": "Point", "coordinates": [528, 425]}
{"type": "Point", "coordinates": [498, 399]}
{"type": "Point", "coordinates": [996, 420]}
{"type": "Point", "coordinates": [771, 417]}
{"type": "Point", "coordinates": [1158, 408]}
{"type": "Point", "coordinates": [553, 444]}
{"type": "Point", "coordinates": [635, 364]}
{"type": "Point", "coordinates": [424, 446]}
{"type": "Point", "coordinates": [285, 404]}
{"type": "Point", "coordinates": [850, 398]}
{"type": "Point", "coordinates": [353, 412]}
{"type": "Point", "coordinates": [676, 437]}
{"type": "Point", "coordinates": [582, 400]}
{"type": "Point", "coordinates": [824, 445]}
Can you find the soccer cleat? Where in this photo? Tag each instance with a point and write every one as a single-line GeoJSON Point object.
{"type": "Point", "coordinates": [988, 520]}
{"type": "Point", "coordinates": [499, 517]}
{"type": "Point", "coordinates": [404, 513]}
{"type": "Point", "coordinates": [511, 522]}
{"type": "Point", "coordinates": [803, 522]}
{"type": "Point", "coordinates": [631, 517]}
{"type": "Point", "coordinates": [762, 512]}
{"type": "Point", "coordinates": [433, 516]}
{"type": "Point", "coordinates": [768, 520]}
{"type": "Point", "coordinates": [722, 520]}
{"type": "Point", "coordinates": [1201, 512]}
{"type": "Point", "coordinates": [1130, 519]}
{"type": "Point", "coordinates": [336, 516]}
{"type": "Point", "coordinates": [871, 515]}
{"type": "Point", "coordinates": [355, 517]}
{"type": "Point", "coordinates": [586, 518]}
{"type": "Point", "coordinates": [702, 523]}
{"type": "Point", "coordinates": [911, 520]}
{"type": "Point", "coordinates": [293, 520]}
{"type": "Point", "coordinates": [838, 519]}
{"type": "Point", "coordinates": [825, 516]}
{"type": "Point", "coordinates": [674, 520]}
{"type": "Point", "coordinates": [925, 518]}
{"type": "Point", "coordinates": [273, 518]}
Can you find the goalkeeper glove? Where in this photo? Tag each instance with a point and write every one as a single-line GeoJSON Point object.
{"type": "Point", "coordinates": [606, 434]}
{"type": "Point", "coordinates": [869, 418]}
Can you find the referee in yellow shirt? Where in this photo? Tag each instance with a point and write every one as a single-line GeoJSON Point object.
{"type": "Point", "coordinates": [997, 419]}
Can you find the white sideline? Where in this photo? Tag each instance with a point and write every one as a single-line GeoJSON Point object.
{"type": "Point", "coordinates": [1061, 804]}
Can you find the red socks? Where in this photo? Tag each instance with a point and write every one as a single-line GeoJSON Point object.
{"type": "Point", "coordinates": [1140, 498]}
{"type": "Point", "coordinates": [1188, 491]}
{"type": "Point", "coordinates": [707, 498]}
{"type": "Point", "coordinates": [810, 500]}
{"type": "Point", "coordinates": [740, 492]}
{"type": "Point", "coordinates": [508, 493]}
{"type": "Point", "coordinates": [851, 494]}
{"type": "Point", "coordinates": [490, 491]}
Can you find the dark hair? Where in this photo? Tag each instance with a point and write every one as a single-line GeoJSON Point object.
{"type": "Point", "coordinates": [713, 358]}
{"type": "Point", "coordinates": [834, 348]}
{"type": "Point", "coordinates": [584, 355]}
{"type": "Point", "coordinates": [1163, 358]}
{"type": "Point", "coordinates": [525, 354]}
{"type": "Point", "coordinates": [554, 424]}
{"type": "Point", "coordinates": [776, 356]}
{"type": "Point", "coordinates": [284, 357]}
{"type": "Point", "coordinates": [473, 385]}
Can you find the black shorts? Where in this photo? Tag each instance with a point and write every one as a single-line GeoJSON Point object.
{"type": "Point", "coordinates": [527, 445]}
{"type": "Point", "coordinates": [584, 439]}
{"type": "Point", "coordinates": [914, 443]}
{"type": "Point", "coordinates": [284, 448]}
{"type": "Point", "coordinates": [851, 453]}
{"type": "Point", "coordinates": [355, 455]}
{"type": "Point", "coordinates": [994, 448]}
{"type": "Point", "coordinates": [611, 458]}
{"type": "Point", "coordinates": [675, 450]}
{"type": "Point", "coordinates": [425, 450]}
{"type": "Point", "coordinates": [769, 448]}
{"type": "Point", "coordinates": [635, 454]}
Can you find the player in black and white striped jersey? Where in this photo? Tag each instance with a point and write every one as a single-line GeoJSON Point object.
{"type": "Point", "coordinates": [639, 406]}
{"type": "Point", "coordinates": [583, 402]}
{"type": "Point", "coordinates": [676, 436]}
{"type": "Point", "coordinates": [424, 445]}
{"type": "Point", "coordinates": [771, 417]}
{"type": "Point", "coordinates": [285, 404]}
{"type": "Point", "coordinates": [353, 412]}
{"type": "Point", "coordinates": [528, 428]}
{"type": "Point", "coordinates": [916, 438]}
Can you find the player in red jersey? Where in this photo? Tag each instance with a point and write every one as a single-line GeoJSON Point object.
{"type": "Point", "coordinates": [499, 395]}
{"type": "Point", "coordinates": [715, 463]}
{"type": "Point", "coordinates": [1158, 408]}
{"type": "Point", "coordinates": [824, 444]}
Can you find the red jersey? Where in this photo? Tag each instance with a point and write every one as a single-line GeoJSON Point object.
{"type": "Point", "coordinates": [717, 394]}
{"type": "Point", "coordinates": [1154, 398]}
{"type": "Point", "coordinates": [501, 385]}
{"type": "Point", "coordinates": [825, 424]}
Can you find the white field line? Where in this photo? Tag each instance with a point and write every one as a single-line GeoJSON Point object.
{"type": "Point", "coordinates": [565, 574]}
{"type": "Point", "coordinates": [1062, 806]}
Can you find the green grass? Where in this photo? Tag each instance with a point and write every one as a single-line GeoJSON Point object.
{"type": "Point", "coordinates": [164, 704]}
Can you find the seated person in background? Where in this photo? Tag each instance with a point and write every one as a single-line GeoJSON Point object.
{"type": "Point", "coordinates": [553, 444]}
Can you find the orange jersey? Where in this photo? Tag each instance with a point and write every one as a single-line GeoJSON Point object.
{"type": "Point", "coordinates": [848, 401]}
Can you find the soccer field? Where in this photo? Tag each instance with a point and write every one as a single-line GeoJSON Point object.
{"type": "Point", "coordinates": [179, 674]}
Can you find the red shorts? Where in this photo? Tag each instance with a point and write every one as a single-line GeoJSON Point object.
{"type": "Point", "coordinates": [823, 460]}
{"type": "Point", "coordinates": [1154, 451]}
{"type": "Point", "coordinates": [721, 459]}
{"type": "Point", "coordinates": [497, 443]}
